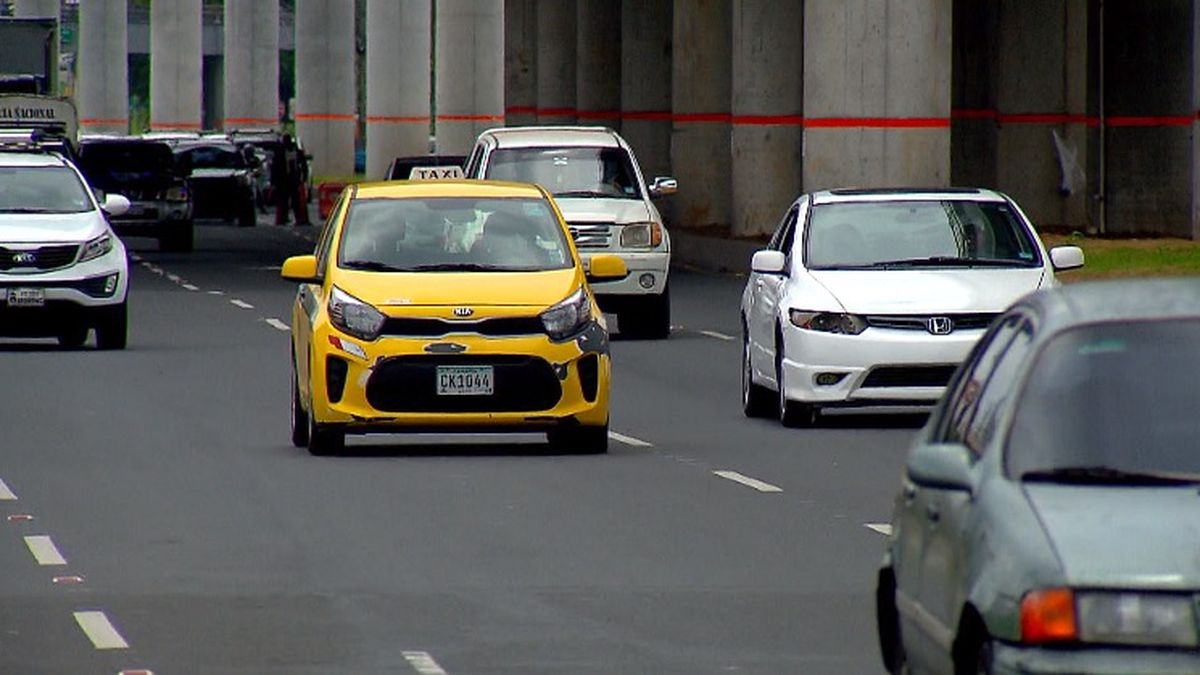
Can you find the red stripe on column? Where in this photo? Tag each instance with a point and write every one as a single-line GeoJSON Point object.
{"type": "Point", "coordinates": [250, 120]}
{"type": "Point", "coordinates": [556, 112]}
{"type": "Point", "coordinates": [520, 110]}
{"type": "Point", "coordinates": [769, 120]}
{"type": "Point", "coordinates": [324, 117]}
{"type": "Point", "coordinates": [1043, 118]}
{"type": "Point", "coordinates": [397, 119]}
{"type": "Point", "coordinates": [599, 114]}
{"type": "Point", "coordinates": [175, 126]}
{"type": "Point", "coordinates": [1150, 121]}
{"type": "Point", "coordinates": [647, 115]}
{"type": "Point", "coordinates": [688, 118]}
{"type": "Point", "coordinates": [877, 122]}
{"type": "Point", "coordinates": [470, 118]}
{"type": "Point", "coordinates": [95, 121]}
{"type": "Point", "coordinates": [973, 114]}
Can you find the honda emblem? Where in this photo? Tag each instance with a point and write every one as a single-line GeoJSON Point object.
{"type": "Point", "coordinates": [940, 325]}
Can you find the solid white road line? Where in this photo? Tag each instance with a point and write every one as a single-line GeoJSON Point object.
{"type": "Point", "coordinates": [100, 630]}
{"type": "Point", "coordinates": [5, 493]}
{"type": "Point", "coordinates": [190, 287]}
{"type": "Point", "coordinates": [239, 303]}
{"type": "Point", "coordinates": [423, 663]}
{"type": "Point", "coordinates": [276, 323]}
{"type": "Point", "coordinates": [748, 481]}
{"type": "Point", "coordinates": [629, 440]}
{"type": "Point", "coordinates": [882, 528]}
{"type": "Point", "coordinates": [719, 336]}
{"type": "Point", "coordinates": [44, 550]}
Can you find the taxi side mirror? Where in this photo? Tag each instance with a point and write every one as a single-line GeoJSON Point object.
{"type": "Point", "coordinates": [942, 466]}
{"type": "Point", "coordinates": [604, 266]}
{"type": "Point", "coordinates": [301, 269]}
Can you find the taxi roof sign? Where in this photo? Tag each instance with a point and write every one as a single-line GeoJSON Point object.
{"type": "Point", "coordinates": [436, 173]}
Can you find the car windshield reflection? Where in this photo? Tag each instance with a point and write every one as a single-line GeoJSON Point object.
{"type": "Point", "coordinates": [42, 190]}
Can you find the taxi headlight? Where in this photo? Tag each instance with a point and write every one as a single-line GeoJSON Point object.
{"type": "Point", "coordinates": [96, 247]}
{"type": "Point", "coordinates": [641, 235]}
{"type": "Point", "coordinates": [353, 316]}
{"type": "Point", "coordinates": [569, 316]}
{"type": "Point", "coordinates": [828, 322]}
{"type": "Point", "coordinates": [1153, 619]}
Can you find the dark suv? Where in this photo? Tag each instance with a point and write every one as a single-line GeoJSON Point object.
{"type": "Point", "coordinates": [160, 203]}
{"type": "Point", "coordinates": [220, 177]}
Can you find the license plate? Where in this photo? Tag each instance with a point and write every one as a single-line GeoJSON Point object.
{"type": "Point", "coordinates": [26, 297]}
{"type": "Point", "coordinates": [464, 380]}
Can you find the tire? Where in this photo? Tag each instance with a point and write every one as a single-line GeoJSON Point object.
{"type": "Point", "coordinates": [579, 440]}
{"type": "Point", "coordinates": [73, 337]}
{"type": "Point", "coordinates": [756, 399]}
{"type": "Point", "coordinates": [248, 216]}
{"type": "Point", "coordinates": [325, 440]}
{"type": "Point", "coordinates": [649, 318]}
{"type": "Point", "coordinates": [891, 646]}
{"type": "Point", "coordinates": [181, 239]}
{"type": "Point", "coordinates": [791, 413]}
{"type": "Point", "coordinates": [979, 659]}
{"type": "Point", "coordinates": [299, 415]}
{"type": "Point", "coordinates": [112, 331]}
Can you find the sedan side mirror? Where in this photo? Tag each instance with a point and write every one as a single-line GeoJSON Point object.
{"type": "Point", "coordinates": [943, 466]}
{"type": "Point", "coordinates": [768, 262]}
{"type": "Point", "coordinates": [115, 205]}
{"type": "Point", "coordinates": [1064, 258]}
{"type": "Point", "coordinates": [302, 269]}
{"type": "Point", "coordinates": [663, 186]}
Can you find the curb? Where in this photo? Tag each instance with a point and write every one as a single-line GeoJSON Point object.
{"type": "Point", "coordinates": [712, 254]}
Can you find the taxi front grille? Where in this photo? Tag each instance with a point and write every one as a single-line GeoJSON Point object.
{"type": "Point", "coordinates": [408, 384]}
{"type": "Point", "coordinates": [494, 327]}
{"type": "Point", "coordinates": [592, 235]}
{"type": "Point", "coordinates": [42, 258]}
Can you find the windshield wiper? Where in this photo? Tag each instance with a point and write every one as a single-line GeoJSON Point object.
{"type": "Point", "coordinates": [1107, 475]}
{"type": "Point", "coordinates": [950, 261]}
{"type": "Point", "coordinates": [593, 193]}
{"type": "Point", "coordinates": [370, 266]}
{"type": "Point", "coordinates": [459, 267]}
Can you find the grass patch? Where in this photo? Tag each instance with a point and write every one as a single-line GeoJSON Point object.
{"type": "Point", "coordinates": [1126, 258]}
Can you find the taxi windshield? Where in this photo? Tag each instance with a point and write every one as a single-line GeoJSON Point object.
{"type": "Point", "coordinates": [928, 233]}
{"type": "Point", "coordinates": [568, 172]}
{"type": "Point", "coordinates": [453, 234]}
{"type": "Point", "coordinates": [48, 189]}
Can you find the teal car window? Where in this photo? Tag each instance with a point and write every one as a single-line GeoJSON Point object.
{"type": "Point", "coordinates": [1122, 396]}
{"type": "Point", "coordinates": [998, 389]}
{"type": "Point", "coordinates": [972, 381]}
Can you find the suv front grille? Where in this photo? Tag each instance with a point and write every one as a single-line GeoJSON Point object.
{"type": "Point", "coordinates": [591, 235]}
{"type": "Point", "coordinates": [409, 384]}
{"type": "Point", "coordinates": [43, 258]}
{"type": "Point", "coordinates": [976, 321]}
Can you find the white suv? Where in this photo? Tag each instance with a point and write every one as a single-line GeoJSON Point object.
{"type": "Point", "coordinates": [62, 270]}
{"type": "Point", "coordinates": [599, 188]}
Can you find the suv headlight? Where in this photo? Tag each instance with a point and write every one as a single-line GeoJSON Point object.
{"type": "Point", "coordinates": [828, 322]}
{"type": "Point", "coordinates": [353, 316]}
{"type": "Point", "coordinates": [96, 247]}
{"type": "Point", "coordinates": [641, 235]}
{"type": "Point", "coordinates": [569, 316]}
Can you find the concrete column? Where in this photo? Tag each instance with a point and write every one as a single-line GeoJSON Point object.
{"type": "Point", "coordinates": [399, 46]}
{"type": "Point", "coordinates": [768, 75]}
{"type": "Point", "coordinates": [700, 85]}
{"type": "Point", "coordinates": [973, 94]}
{"type": "Point", "coordinates": [175, 65]}
{"type": "Point", "coordinates": [876, 93]}
{"type": "Point", "coordinates": [598, 63]}
{"type": "Point", "coordinates": [470, 71]}
{"type": "Point", "coordinates": [646, 35]}
{"type": "Point", "coordinates": [556, 62]}
{"type": "Point", "coordinates": [102, 84]}
{"type": "Point", "coordinates": [251, 64]}
{"type": "Point", "coordinates": [520, 62]}
{"type": "Point", "coordinates": [37, 8]}
{"type": "Point", "coordinates": [326, 115]}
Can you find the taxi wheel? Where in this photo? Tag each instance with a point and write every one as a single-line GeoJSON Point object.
{"type": "Point", "coordinates": [579, 440]}
{"type": "Point", "coordinates": [112, 331]}
{"type": "Point", "coordinates": [299, 416]}
{"type": "Point", "coordinates": [73, 336]}
{"type": "Point", "coordinates": [325, 440]}
{"type": "Point", "coordinates": [791, 413]}
{"type": "Point", "coordinates": [756, 399]}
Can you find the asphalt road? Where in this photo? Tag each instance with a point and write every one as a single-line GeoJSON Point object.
{"type": "Point", "coordinates": [153, 514]}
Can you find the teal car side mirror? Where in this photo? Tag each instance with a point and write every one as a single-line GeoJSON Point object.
{"type": "Point", "coordinates": [943, 466]}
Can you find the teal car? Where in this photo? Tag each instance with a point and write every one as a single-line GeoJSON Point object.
{"type": "Point", "coordinates": [1048, 519]}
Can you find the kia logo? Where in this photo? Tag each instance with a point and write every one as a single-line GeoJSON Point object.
{"type": "Point", "coordinates": [24, 258]}
{"type": "Point", "coordinates": [463, 311]}
{"type": "Point", "coordinates": [940, 325]}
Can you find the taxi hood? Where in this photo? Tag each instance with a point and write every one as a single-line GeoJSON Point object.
{"type": "Point", "coordinates": [472, 289]}
{"type": "Point", "coordinates": [928, 291]}
{"type": "Point", "coordinates": [1122, 536]}
{"type": "Point", "coordinates": [602, 210]}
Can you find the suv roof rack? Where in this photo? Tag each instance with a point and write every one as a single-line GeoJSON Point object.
{"type": "Point", "coordinates": [37, 139]}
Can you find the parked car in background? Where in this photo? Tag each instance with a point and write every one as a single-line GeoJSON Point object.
{"type": "Point", "coordinates": [265, 143]}
{"type": "Point", "coordinates": [873, 297]}
{"type": "Point", "coordinates": [598, 185]}
{"type": "Point", "coordinates": [145, 172]}
{"type": "Point", "coordinates": [220, 178]}
{"type": "Point", "coordinates": [401, 168]}
{"type": "Point", "coordinates": [1047, 519]}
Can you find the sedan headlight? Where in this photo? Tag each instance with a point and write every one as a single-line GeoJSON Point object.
{"type": "Point", "coordinates": [569, 316]}
{"type": "Point", "coordinates": [641, 235]}
{"type": "Point", "coordinates": [828, 322]}
{"type": "Point", "coordinates": [1109, 617]}
{"type": "Point", "coordinates": [96, 247]}
{"type": "Point", "coordinates": [353, 316]}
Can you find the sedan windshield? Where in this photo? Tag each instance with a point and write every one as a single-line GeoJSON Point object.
{"type": "Point", "coordinates": [457, 234]}
{"type": "Point", "coordinates": [48, 189]}
{"type": "Point", "coordinates": [568, 172]}
{"type": "Point", "coordinates": [905, 234]}
{"type": "Point", "coordinates": [1112, 403]}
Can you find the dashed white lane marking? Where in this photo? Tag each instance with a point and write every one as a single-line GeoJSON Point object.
{"type": "Point", "coordinates": [629, 440]}
{"type": "Point", "coordinates": [44, 550]}
{"type": "Point", "coordinates": [174, 278]}
{"type": "Point", "coordinates": [190, 287]}
{"type": "Point", "coordinates": [882, 528]}
{"type": "Point", "coordinates": [5, 493]}
{"type": "Point", "coordinates": [719, 336]}
{"type": "Point", "coordinates": [748, 481]}
{"type": "Point", "coordinates": [239, 303]}
{"type": "Point", "coordinates": [423, 663]}
{"type": "Point", "coordinates": [100, 630]}
{"type": "Point", "coordinates": [276, 323]}
{"type": "Point", "coordinates": [216, 292]}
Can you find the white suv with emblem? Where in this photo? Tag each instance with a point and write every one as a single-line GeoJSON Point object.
{"type": "Point", "coordinates": [62, 270]}
{"type": "Point", "coordinates": [598, 186]}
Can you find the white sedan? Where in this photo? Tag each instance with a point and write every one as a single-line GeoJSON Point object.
{"type": "Point", "coordinates": [872, 298]}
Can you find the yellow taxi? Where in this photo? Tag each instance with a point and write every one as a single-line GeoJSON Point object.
{"type": "Point", "coordinates": [446, 306]}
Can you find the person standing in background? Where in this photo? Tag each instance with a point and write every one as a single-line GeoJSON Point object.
{"type": "Point", "coordinates": [286, 182]}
